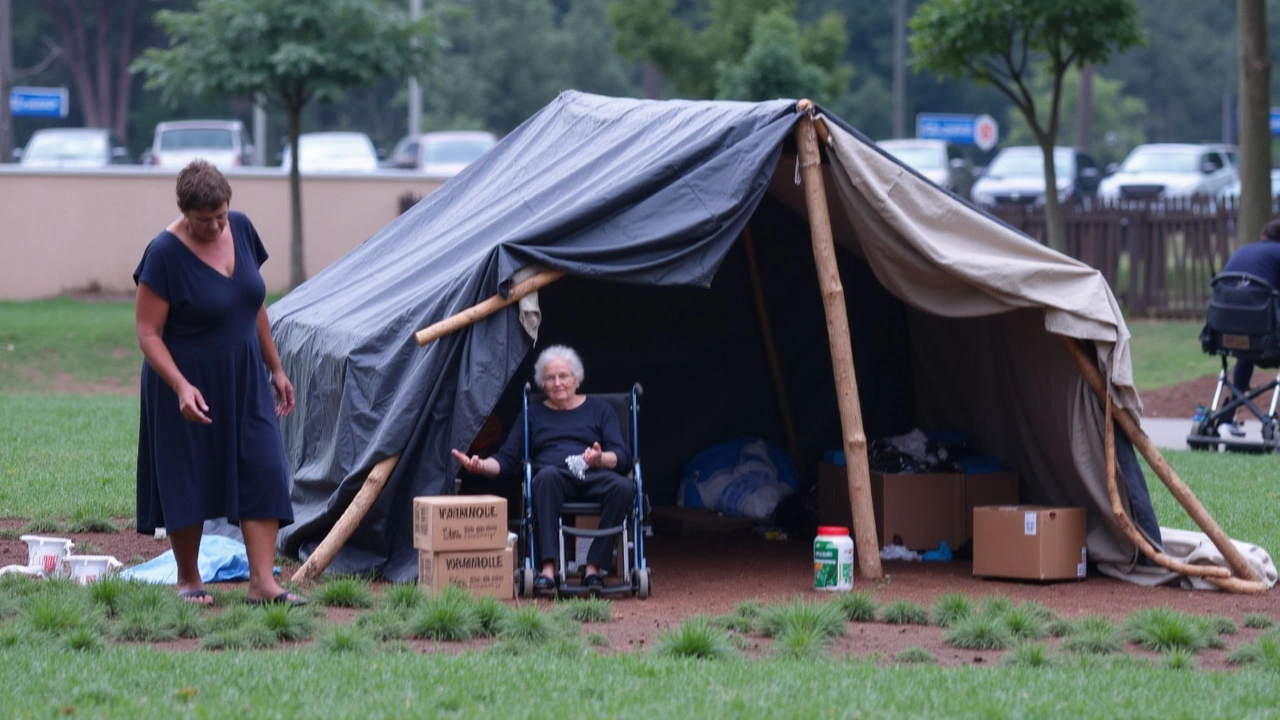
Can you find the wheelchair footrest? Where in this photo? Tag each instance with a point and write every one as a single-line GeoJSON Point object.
{"type": "Point", "coordinates": [593, 533]}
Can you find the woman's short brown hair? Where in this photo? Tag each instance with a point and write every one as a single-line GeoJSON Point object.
{"type": "Point", "coordinates": [202, 187]}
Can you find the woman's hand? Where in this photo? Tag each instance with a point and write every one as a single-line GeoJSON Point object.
{"type": "Point", "coordinates": [471, 463]}
{"type": "Point", "coordinates": [284, 393]}
{"type": "Point", "coordinates": [593, 455]}
{"type": "Point", "coordinates": [191, 404]}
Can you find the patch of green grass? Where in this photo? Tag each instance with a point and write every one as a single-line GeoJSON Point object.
{"type": "Point", "coordinates": [801, 642]}
{"type": "Point", "coordinates": [1258, 621]}
{"type": "Point", "coordinates": [597, 640]}
{"type": "Point", "coordinates": [799, 617]}
{"type": "Point", "coordinates": [904, 612]}
{"type": "Point", "coordinates": [403, 596]}
{"type": "Point", "coordinates": [289, 623]}
{"type": "Point", "coordinates": [87, 547]}
{"type": "Point", "coordinates": [1027, 622]}
{"type": "Point", "coordinates": [489, 613]}
{"type": "Point", "coordinates": [345, 639]}
{"type": "Point", "coordinates": [109, 592]}
{"type": "Point", "coordinates": [527, 625]}
{"type": "Point", "coordinates": [979, 631]}
{"type": "Point", "coordinates": [1263, 652]}
{"type": "Point", "coordinates": [60, 610]}
{"type": "Point", "coordinates": [1167, 352]}
{"type": "Point", "coordinates": [1060, 627]}
{"type": "Point", "coordinates": [67, 456]}
{"type": "Point", "coordinates": [1163, 629]}
{"type": "Point", "coordinates": [444, 616]}
{"type": "Point", "coordinates": [90, 524]}
{"type": "Point", "coordinates": [950, 607]}
{"type": "Point", "coordinates": [1179, 659]}
{"type": "Point", "coordinates": [348, 592]}
{"type": "Point", "coordinates": [995, 605]}
{"type": "Point", "coordinates": [1029, 655]}
{"type": "Point", "coordinates": [734, 623]}
{"type": "Point", "coordinates": [84, 640]}
{"type": "Point", "coordinates": [383, 624]}
{"type": "Point", "coordinates": [696, 637]}
{"type": "Point", "coordinates": [915, 655]}
{"type": "Point", "coordinates": [1239, 491]}
{"type": "Point", "coordinates": [586, 610]}
{"type": "Point", "coordinates": [10, 533]}
{"type": "Point", "coordinates": [87, 342]}
{"type": "Point", "coordinates": [1094, 635]}
{"type": "Point", "coordinates": [1221, 625]}
{"type": "Point", "coordinates": [43, 526]}
{"type": "Point", "coordinates": [856, 606]}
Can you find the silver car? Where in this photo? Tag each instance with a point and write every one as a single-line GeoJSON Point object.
{"type": "Point", "coordinates": [442, 154]}
{"type": "Point", "coordinates": [1167, 171]}
{"type": "Point", "coordinates": [74, 148]}
{"type": "Point", "coordinates": [221, 142]}
{"type": "Point", "coordinates": [937, 160]}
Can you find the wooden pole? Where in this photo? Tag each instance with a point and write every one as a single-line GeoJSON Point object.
{"type": "Point", "coordinates": [486, 308]}
{"type": "Point", "coordinates": [771, 354]}
{"type": "Point", "coordinates": [1241, 567]}
{"type": "Point", "coordinates": [824, 255]}
{"type": "Point", "coordinates": [350, 520]}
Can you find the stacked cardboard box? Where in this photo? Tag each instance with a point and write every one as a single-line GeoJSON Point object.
{"type": "Point", "coordinates": [1030, 542]}
{"type": "Point", "coordinates": [920, 509]}
{"type": "Point", "coordinates": [462, 540]}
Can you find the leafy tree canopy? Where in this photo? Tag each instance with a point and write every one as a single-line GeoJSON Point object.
{"type": "Point", "coordinates": [1117, 118]}
{"type": "Point", "coordinates": [739, 49]}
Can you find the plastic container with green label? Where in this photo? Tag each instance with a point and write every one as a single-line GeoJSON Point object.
{"type": "Point", "coordinates": [833, 559]}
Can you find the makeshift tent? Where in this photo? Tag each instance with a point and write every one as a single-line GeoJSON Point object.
{"type": "Point", "coordinates": [643, 206]}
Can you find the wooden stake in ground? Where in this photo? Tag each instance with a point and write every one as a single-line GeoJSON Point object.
{"type": "Point", "coordinates": [347, 524]}
{"type": "Point", "coordinates": [486, 308]}
{"type": "Point", "coordinates": [824, 255]}
{"type": "Point", "coordinates": [1239, 565]}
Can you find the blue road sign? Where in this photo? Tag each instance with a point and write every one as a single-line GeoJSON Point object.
{"type": "Point", "coordinates": [943, 126]}
{"type": "Point", "coordinates": [44, 102]}
{"type": "Point", "coordinates": [1275, 121]}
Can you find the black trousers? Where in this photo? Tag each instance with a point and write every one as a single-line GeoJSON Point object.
{"type": "Point", "coordinates": [552, 486]}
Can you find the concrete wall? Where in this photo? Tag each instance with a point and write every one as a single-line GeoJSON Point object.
{"type": "Point", "coordinates": [70, 230]}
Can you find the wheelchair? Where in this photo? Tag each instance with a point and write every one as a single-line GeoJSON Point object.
{"type": "Point", "coordinates": [633, 567]}
{"type": "Point", "coordinates": [1243, 321]}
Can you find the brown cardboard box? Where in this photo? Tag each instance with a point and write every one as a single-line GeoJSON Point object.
{"type": "Point", "coordinates": [1029, 542]}
{"type": "Point", "coordinates": [988, 489]}
{"type": "Point", "coordinates": [483, 572]}
{"type": "Point", "coordinates": [577, 552]}
{"type": "Point", "coordinates": [451, 523]}
{"type": "Point", "coordinates": [924, 509]}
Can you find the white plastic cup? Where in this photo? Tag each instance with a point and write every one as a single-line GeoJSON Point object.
{"type": "Point", "coordinates": [46, 553]}
{"type": "Point", "coordinates": [85, 569]}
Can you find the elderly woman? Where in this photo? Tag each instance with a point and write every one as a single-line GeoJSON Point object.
{"type": "Point", "coordinates": [577, 451]}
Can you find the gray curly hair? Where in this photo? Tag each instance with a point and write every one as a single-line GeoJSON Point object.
{"type": "Point", "coordinates": [558, 352]}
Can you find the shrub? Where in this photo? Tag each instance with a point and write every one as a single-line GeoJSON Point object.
{"type": "Point", "coordinates": [801, 642]}
{"type": "Point", "coordinates": [980, 631]}
{"type": "Point", "coordinates": [1026, 622]}
{"type": "Point", "coordinates": [348, 592]}
{"type": "Point", "coordinates": [696, 637]}
{"type": "Point", "coordinates": [949, 608]}
{"type": "Point", "coordinates": [403, 597]}
{"type": "Point", "coordinates": [527, 625]}
{"type": "Point", "coordinates": [904, 612]}
{"type": "Point", "coordinates": [856, 606]}
{"type": "Point", "coordinates": [489, 613]}
{"type": "Point", "coordinates": [445, 616]}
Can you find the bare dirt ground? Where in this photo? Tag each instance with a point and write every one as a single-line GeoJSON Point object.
{"type": "Point", "coordinates": [1178, 401]}
{"type": "Point", "coordinates": [709, 575]}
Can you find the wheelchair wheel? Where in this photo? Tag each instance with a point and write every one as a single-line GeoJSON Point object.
{"type": "Point", "coordinates": [524, 581]}
{"type": "Point", "coordinates": [640, 583]}
{"type": "Point", "coordinates": [1203, 429]}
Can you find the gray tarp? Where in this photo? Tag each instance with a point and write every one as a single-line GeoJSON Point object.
{"type": "Point", "coordinates": [952, 314]}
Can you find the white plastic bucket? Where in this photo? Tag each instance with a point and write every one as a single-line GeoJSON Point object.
{"type": "Point", "coordinates": [85, 569]}
{"type": "Point", "coordinates": [46, 553]}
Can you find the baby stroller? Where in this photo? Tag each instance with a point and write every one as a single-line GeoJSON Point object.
{"type": "Point", "coordinates": [633, 567]}
{"type": "Point", "coordinates": [1243, 322]}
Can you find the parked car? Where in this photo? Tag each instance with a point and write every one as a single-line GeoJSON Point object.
{"type": "Point", "coordinates": [341, 152]}
{"type": "Point", "coordinates": [1016, 175]}
{"type": "Point", "coordinates": [74, 148]}
{"type": "Point", "coordinates": [443, 154]}
{"type": "Point", "coordinates": [938, 160]}
{"type": "Point", "coordinates": [1161, 171]}
{"type": "Point", "coordinates": [221, 142]}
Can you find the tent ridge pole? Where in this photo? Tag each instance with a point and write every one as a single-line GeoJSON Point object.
{"type": "Point", "coordinates": [485, 308]}
{"type": "Point", "coordinates": [1239, 565]}
{"type": "Point", "coordinates": [833, 303]}
{"type": "Point", "coordinates": [350, 520]}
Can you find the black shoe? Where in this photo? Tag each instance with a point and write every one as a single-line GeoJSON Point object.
{"type": "Point", "coordinates": [542, 582]}
{"type": "Point", "coordinates": [593, 582]}
{"type": "Point", "coordinates": [1235, 428]}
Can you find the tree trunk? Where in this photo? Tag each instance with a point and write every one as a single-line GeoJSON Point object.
{"type": "Point", "coordinates": [1054, 232]}
{"type": "Point", "coordinates": [1084, 109]}
{"type": "Point", "coordinates": [1255, 120]}
{"type": "Point", "coordinates": [99, 71]}
{"type": "Point", "coordinates": [6, 81]}
{"type": "Point", "coordinates": [297, 268]}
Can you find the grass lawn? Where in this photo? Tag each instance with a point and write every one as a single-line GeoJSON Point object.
{"type": "Point", "coordinates": [1167, 352]}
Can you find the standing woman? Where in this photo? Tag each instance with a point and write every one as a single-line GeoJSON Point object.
{"type": "Point", "coordinates": [208, 443]}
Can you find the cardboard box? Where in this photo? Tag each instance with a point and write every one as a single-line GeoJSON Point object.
{"type": "Point", "coordinates": [988, 489]}
{"type": "Point", "coordinates": [577, 552]}
{"type": "Point", "coordinates": [452, 523]}
{"type": "Point", "coordinates": [483, 572]}
{"type": "Point", "coordinates": [924, 495]}
{"type": "Point", "coordinates": [1029, 542]}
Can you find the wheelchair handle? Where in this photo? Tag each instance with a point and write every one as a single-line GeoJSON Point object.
{"type": "Point", "coordinates": [1247, 277]}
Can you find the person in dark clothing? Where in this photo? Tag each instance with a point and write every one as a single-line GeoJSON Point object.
{"type": "Point", "coordinates": [577, 451]}
{"type": "Point", "coordinates": [211, 388]}
{"type": "Point", "coordinates": [1262, 259]}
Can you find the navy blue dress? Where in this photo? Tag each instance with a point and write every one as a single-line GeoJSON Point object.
{"type": "Point", "coordinates": [234, 468]}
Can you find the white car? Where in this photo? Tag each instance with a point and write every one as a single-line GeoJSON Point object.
{"type": "Point", "coordinates": [73, 148]}
{"type": "Point", "coordinates": [443, 154]}
{"type": "Point", "coordinates": [937, 160]}
{"type": "Point", "coordinates": [333, 152]}
{"type": "Point", "coordinates": [221, 142]}
{"type": "Point", "coordinates": [1168, 171]}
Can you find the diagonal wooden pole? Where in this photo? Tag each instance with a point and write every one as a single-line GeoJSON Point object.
{"type": "Point", "coordinates": [350, 520]}
{"type": "Point", "coordinates": [824, 255]}
{"type": "Point", "coordinates": [1239, 565]}
{"type": "Point", "coordinates": [486, 308]}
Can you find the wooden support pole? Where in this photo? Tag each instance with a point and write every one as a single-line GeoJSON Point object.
{"type": "Point", "coordinates": [350, 520]}
{"type": "Point", "coordinates": [824, 255]}
{"type": "Point", "coordinates": [486, 308]}
{"type": "Point", "coordinates": [771, 354]}
{"type": "Point", "coordinates": [1239, 565]}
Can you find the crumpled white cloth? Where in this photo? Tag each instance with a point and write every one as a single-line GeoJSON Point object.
{"type": "Point", "coordinates": [898, 552]}
{"type": "Point", "coordinates": [577, 465]}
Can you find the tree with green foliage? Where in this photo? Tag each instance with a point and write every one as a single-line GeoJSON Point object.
{"type": "Point", "coordinates": [1004, 42]}
{"type": "Point", "coordinates": [1117, 118]}
{"type": "Point", "coordinates": [288, 53]}
{"type": "Point", "coordinates": [742, 49]}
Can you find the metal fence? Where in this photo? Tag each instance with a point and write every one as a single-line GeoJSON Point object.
{"type": "Point", "coordinates": [1158, 257]}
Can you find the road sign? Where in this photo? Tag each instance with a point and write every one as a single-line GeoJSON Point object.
{"type": "Point", "coordinates": [44, 102]}
{"type": "Point", "coordinates": [980, 130]}
{"type": "Point", "coordinates": [1275, 121]}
